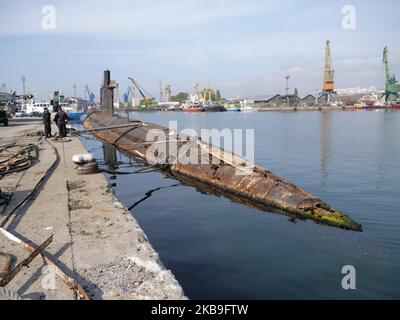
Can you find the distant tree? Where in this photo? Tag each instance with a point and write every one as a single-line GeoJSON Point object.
{"type": "Point", "coordinates": [218, 95]}
{"type": "Point", "coordinates": [181, 97]}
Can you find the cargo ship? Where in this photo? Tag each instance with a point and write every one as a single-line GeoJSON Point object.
{"type": "Point", "coordinates": [192, 108]}
{"type": "Point", "coordinates": [193, 105]}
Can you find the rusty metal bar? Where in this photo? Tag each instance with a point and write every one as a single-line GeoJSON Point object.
{"type": "Point", "coordinates": [24, 263]}
{"type": "Point", "coordinates": [107, 128]}
{"type": "Point", "coordinates": [30, 194]}
{"type": "Point", "coordinates": [72, 283]}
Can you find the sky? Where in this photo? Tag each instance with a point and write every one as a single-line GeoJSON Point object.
{"type": "Point", "coordinates": [242, 48]}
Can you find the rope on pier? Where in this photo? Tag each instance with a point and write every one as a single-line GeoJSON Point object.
{"type": "Point", "coordinates": [29, 195]}
{"type": "Point", "coordinates": [21, 159]}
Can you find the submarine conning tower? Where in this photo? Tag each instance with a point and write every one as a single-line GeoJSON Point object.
{"type": "Point", "coordinates": [107, 93]}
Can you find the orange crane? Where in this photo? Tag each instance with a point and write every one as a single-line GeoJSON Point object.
{"type": "Point", "coordinates": [329, 72]}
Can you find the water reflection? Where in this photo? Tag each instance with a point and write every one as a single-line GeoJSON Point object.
{"type": "Point", "coordinates": [110, 160]}
{"type": "Point", "coordinates": [325, 145]}
{"type": "Point", "coordinates": [110, 156]}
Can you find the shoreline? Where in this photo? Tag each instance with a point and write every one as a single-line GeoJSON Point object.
{"type": "Point", "coordinates": [269, 109]}
{"type": "Point", "coordinates": [97, 241]}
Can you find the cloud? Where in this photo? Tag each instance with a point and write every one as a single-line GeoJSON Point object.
{"type": "Point", "coordinates": [130, 18]}
{"type": "Point", "coordinates": [237, 45]}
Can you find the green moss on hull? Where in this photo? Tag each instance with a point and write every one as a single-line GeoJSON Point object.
{"type": "Point", "coordinates": [334, 219]}
{"type": "Point", "coordinates": [337, 219]}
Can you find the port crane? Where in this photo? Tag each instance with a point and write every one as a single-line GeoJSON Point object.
{"type": "Point", "coordinates": [329, 72]}
{"type": "Point", "coordinates": [89, 95]}
{"type": "Point", "coordinates": [392, 87]}
{"type": "Point", "coordinates": [328, 95]}
{"type": "Point", "coordinates": [128, 93]}
{"type": "Point", "coordinates": [146, 101]}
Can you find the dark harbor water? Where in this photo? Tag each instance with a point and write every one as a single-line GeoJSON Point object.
{"type": "Point", "coordinates": [219, 249]}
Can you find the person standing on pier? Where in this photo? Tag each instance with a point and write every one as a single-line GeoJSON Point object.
{"type": "Point", "coordinates": [47, 123]}
{"type": "Point", "coordinates": [61, 118]}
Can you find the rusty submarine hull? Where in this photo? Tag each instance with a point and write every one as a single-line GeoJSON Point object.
{"type": "Point", "coordinates": [232, 175]}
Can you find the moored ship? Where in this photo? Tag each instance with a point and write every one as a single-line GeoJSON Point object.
{"type": "Point", "coordinates": [396, 105]}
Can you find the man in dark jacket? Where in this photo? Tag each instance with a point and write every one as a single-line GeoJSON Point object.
{"type": "Point", "coordinates": [47, 123]}
{"type": "Point", "coordinates": [61, 118]}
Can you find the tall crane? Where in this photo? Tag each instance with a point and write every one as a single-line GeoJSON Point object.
{"type": "Point", "coordinates": [208, 94]}
{"type": "Point", "coordinates": [89, 95]}
{"type": "Point", "coordinates": [392, 88]}
{"type": "Point", "coordinates": [167, 92]}
{"type": "Point", "coordinates": [146, 101]}
{"type": "Point", "coordinates": [329, 72]}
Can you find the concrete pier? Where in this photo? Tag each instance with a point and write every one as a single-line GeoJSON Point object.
{"type": "Point", "coordinates": [97, 241]}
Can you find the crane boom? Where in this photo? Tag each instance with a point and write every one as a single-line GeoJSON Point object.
{"type": "Point", "coordinates": [147, 101]}
{"type": "Point", "coordinates": [137, 87]}
{"type": "Point", "coordinates": [392, 87]}
{"type": "Point", "coordinates": [386, 62]}
{"type": "Point", "coordinates": [127, 94]}
{"type": "Point", "coordinates": [89, 95]}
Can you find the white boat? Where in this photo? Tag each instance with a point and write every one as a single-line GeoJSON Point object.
{"type": "Point", "coordinates": [67, 107]}
{"type": "Point", "coordinates": [248, 109]}
{"type": "Point", "coordinates": [232, 107]}
{"type": "Point", "coordinates": [173, 107]}
{"type": "Point", "coordinates": [380, 103]}
{"type": "Point", "coordinates": [37, 107]}
{"type": "Point", "coordinates": [78, 104]}
{"type": "Point", "coordinates": [193, 104]}
{"type": "Point", "coordinates": [247, 106]}
{"type": "Point", "coordinates": [169, 105]}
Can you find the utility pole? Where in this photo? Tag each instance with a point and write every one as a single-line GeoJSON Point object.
{"type": "Point", "coordinates": [23, 79]}
{"type": "Point", "coordinates": [287, 89]}
{"type": "Point", "coordinates": [161, 92]}
{"type": "Point", "coordinates": [287, 85]}
{"type": "Point", "coordinates": [74, 90]}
